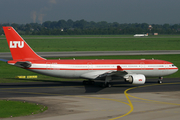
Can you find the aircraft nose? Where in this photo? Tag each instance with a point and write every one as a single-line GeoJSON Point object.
{"type": "Point", "coordinates": [176, 69]}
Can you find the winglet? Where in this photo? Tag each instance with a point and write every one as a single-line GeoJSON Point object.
{"type": "Point", "coordinates": [119, 68]}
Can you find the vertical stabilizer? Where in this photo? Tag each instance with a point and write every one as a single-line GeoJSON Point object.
{"type": "Point", "coordinates": [20, 50]}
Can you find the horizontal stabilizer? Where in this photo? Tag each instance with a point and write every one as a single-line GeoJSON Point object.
{"type": "Point", "coordinates": [3, 60]}
{"type": "Point", "coordinates": [23, 64]}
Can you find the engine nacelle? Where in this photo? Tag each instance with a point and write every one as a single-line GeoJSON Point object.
{"type": "Point", "coordinates": [136, 79]}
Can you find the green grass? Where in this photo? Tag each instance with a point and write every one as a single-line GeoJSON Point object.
{"type": "Point", "coordinates": [52, 43]}
{"type": "Point", "coordinates": [17, 108]}
{"type": "Point", "coordinates": [8, 72]}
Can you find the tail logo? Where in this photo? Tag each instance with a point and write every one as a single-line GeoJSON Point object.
{"type": "Point", "coordinates": [15, 44]}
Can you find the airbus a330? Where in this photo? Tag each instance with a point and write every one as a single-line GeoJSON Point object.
{"type": "Point", "coordinates": [132, 71]}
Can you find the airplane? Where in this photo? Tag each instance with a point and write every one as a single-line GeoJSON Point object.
{"type": "Point", "coordinates": [132, 71]}
{"type": "Point", "coordinates": [141, 35]}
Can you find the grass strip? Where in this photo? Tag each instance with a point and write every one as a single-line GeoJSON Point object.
{"type": "Point", "coordinates": [17, 108]}
{"type": "Point", "coordinates": [98, 44]}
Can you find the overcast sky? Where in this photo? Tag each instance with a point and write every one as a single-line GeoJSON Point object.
{"type": "Point", "coordinates": [121, 11]}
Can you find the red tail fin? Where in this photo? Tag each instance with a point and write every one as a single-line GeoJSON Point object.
{"type": "Point", "coordinates": [20, 50]}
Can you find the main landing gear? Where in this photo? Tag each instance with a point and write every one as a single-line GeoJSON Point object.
{"type": "Point", "coordinates": [160, 80]}
{"type": "Point", "coordinates": [106, 85]}
{"type": "Point", "coordinates": [88, 82]}
{"type": "Point", "coordinates": [106, 82]}
{"type": "Point", "coordinates": [91, 82]}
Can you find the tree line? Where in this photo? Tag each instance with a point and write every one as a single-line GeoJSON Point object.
{"type": "Point", "coordinates": [83, 27]}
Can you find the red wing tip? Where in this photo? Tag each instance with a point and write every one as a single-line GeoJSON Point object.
{"type": "Point", "coordinates": [119, 68]}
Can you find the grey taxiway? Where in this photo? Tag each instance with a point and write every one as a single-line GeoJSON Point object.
{"type": "Point", "coordinates": [7, 55]}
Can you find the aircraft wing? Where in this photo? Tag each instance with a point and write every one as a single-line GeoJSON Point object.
{"type": "Point", "coordinates": [103, 74]}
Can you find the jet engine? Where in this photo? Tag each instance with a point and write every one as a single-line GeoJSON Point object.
{"type": "Point", "coordinates": [136, 79]}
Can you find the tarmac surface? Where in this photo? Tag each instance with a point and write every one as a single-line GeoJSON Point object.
{"type": "Point", "coordinates": [71, 100]}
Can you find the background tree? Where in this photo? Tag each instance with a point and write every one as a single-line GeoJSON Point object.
{"type": "Point", "coordinates": [83, 27]}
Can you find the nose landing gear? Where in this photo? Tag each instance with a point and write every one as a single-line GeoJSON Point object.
{"type": "Point", "coordinates": [160, 80]}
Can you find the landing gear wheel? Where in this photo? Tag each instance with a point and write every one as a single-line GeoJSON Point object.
{"type": "Point", "coordinates": [109, 85]}
{"type": "Point", "coordinates": [106, 85]}
{"type": "Point", "coordinates": [106, 82]}
{"type": "Point", "coordinates": [103, 85]}
{"type": "Point", "coordinates": [160, 81]}
{"type": "Point", "coordinates": [89, 82]}
{"type": "Point", "coordinates": [85, 82]}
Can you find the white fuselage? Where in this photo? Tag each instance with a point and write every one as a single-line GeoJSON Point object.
{"type": "Point", "coordinates": [68, 70]}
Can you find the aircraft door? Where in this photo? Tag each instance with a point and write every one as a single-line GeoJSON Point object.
{"type": "Point", "coordinates": [48, 65]}
{"type": "Point", "coordinates": [51, 65]}
{"type": "Point", "coordinates": [90, 66]}
{"type": "Point", "coordinates": [166, 66]}
{"type": "Point", "coordinates": [142, 66]}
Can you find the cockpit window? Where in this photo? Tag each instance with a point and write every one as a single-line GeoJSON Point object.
{"type": "Point", "coordinates": [173, 65]}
